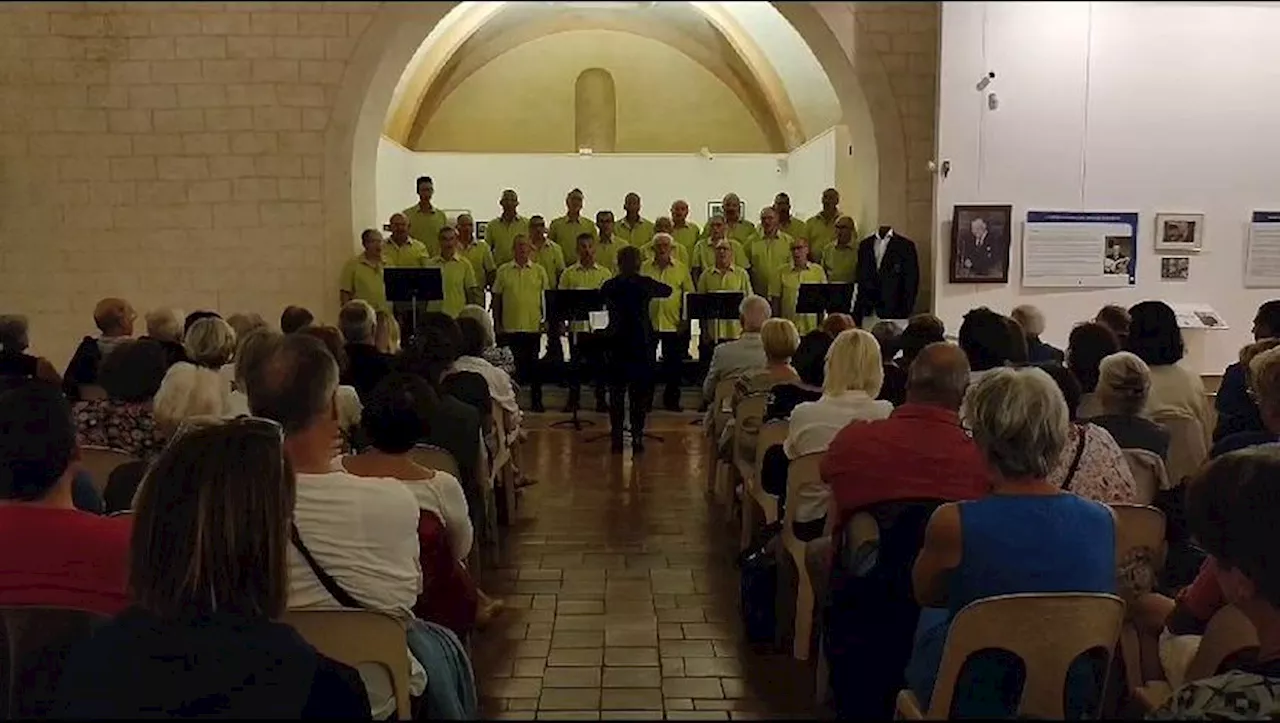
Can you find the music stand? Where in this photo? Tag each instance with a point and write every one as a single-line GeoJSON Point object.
{"type": "Point", "coordinates": [713, 306]}
{"type": "Point", "coordinates": [829, 298]}
{"type": "Point", "coordinates": [413, 285]}
{"type": "Point", "coordinates": [573, 305]}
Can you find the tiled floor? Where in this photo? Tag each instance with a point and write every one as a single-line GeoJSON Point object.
{"type": "Point", "coordinates": [622, 593]}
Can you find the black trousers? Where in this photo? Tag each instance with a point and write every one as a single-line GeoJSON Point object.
{"type": "Point", "coordinates": [555, 352]}
{"type": "Point", "coordinates": [674, 346]}
{"type": "Point", "coordinates": [586, 362]}
{"type": "Point", "coordinates": [524, 347]}
{"type": "Point", "coordinates": [630, 393]}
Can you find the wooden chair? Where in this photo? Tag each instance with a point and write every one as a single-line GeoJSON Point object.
{"type": "Point", "coordinates": [718, 471]}
{"type": "Point", "coordinates": [772, 434]}
{"type": "Point", "coordinates": [803, 472]}
{"type": "Point", "coordinates": [1140, 531]}
{"type": "Point", "coordinates": [1148, 472]}
{"type": "Point", "coordinates": [1047, 631]}
{"type": "Point", "coordinates": [1228, 633]}
{"type": "Point", "coordinates": [501, 474]}
{"type": "Point", "coordinates": [434, 457]}
{"type": "Point", "coordinates": [36, 641]}
{"type": "Point", "coordinates": [1188, 446]}
{"type": "Point", "coordinates": [746, 425]}
{"type": "Point", "coordinates": [100, 462]}
{"type": "Point", "coordinates": [355, 637]}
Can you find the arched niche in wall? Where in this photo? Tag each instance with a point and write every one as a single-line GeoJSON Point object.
{"type": "Point", "coordinates": [595, 110]}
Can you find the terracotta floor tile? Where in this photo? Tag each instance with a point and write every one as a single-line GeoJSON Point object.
{"type": "Point", "coordinates": [571, 677]}
{"type": "Point", "coordinates": [569, 699]}
{"type": "Point", "coordinates": [528, 667]}
{"type": "Point", "coordinates": [569, 715]}
{"type": "Point", "coordinates": [695, 715]}
{"type": "Point", "coordinates": [678, 703]}
{"type": "Point", "coordinates": [513, 688]}
{"type": "Point", "coordinates": [531, 649]}
{"type": "Point", "coordinates": [631, 699]}
{"type": "Point", "coordinates": [580, 607]}
{"type": "Point", "coordinates": [711, 668]}
{"type": "Point", "coordinates": [577, 639]}
{"type": "Point", "coordinates": [670, 631]}
{"type": "Point", "coordinates": [709, 631]}
{"type": "Point", "coordinates": [631, 657]}
{"type": "Point", "coordinates": [681, 615]}
{"type": "Point", "coordinates": [673, 667]}
{"type": "Point", "coordinates": [628, 715]}
{"type": "Point", "coordinates": [592, 657]}
{"type": "Point", "coordinates": [632, 678]}
{"type": "Point", "coordinates": [523, 704]}
{"type": "Point", "coordinates": [631, 638]}
{"type": "Point", "coordinates": [686, 649]}
{"type": "Point", "coordinates": [692, 688]}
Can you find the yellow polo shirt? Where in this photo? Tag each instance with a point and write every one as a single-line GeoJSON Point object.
{"type": "Point", "coordinates": [637, 235]}
{"type": "Point", "coordinates": [607, 253]}
{"type": "Point", "coordinates": [481, 258]}
{"type": "Point", "coordinates": [795, 228]}
{"type": "Point", "coordinates": [704, 255]}
{"type": "Point", "coordinates": [667, 314]}
{"type": "Point", "coordinates": [768, 256]}
{"type": "Point", "coordinates": [841, 262]}
{"type": "Point", "coordinates": [412, 255]}
{"type": "Point", "coordinates": [565, 232]}
{"type": "Point", "coordinates": [677, 252]}
{"type": "Point", "coordinates": [425, 226]}
{"type": "Point", "coordinates": [686, 237]}
{"type": "Point", "coordinates": [579, 277]}
{"type": "Point", "coordinates": [551, 259]}
{"type": "Point", "coordinates": [501, 237]}
{"type": "Point", "coordinates": [456, 277]}
{"type": "Point", "coordinates": [731, 280]}
{"type": "Point", "coordinates": [363, 279]}
{"type": "Point", "coordinates": [786, 286]}
{"type": "Point", "coordinates": [821, 234]}
{"type": "Point", "coordinates": [744, 232]}
{"type": "Point", "coordinates": [521, 289]}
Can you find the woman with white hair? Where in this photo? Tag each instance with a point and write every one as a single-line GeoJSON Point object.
{"type": "Point", "coordinates": [851, 382]}
{"type": "Point", "coordinates": [164, 325]}
{"type": "Point", "coordinates": [499, 356]}
{"type": "Point", "coordinates": [1124, 381]}
{"type": "Point", "coordinates": [1026, 536]}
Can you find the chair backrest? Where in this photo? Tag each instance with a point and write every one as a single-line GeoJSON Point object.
{"type": "Point", "coordinates": [1188, 445]}
{"type": "Point", "coordinates": [1141, 548]}
{"type": "Point", "coordinates": [100, 462]}
{"type": "Point", "coordinates": [433, 457]}
{"type": "Point", "coordinates": [36, 641]}
{"type": "Point", "coordinates": [802, 472]}
{"type": "Point", "coordinates": [747, 417]}
{"type": "Point", "coordinates": [1228, 632]}
{"type": "Point", "coordinates": [1148, 472]}
{"type": "Point", "coordinates": [771, 434]}
{"type": "Point", "coordinates": [724, 392]}
{"type": "Point", "coordinates": [358, 637]}
{"type": "Point", "coordinates": [1047, 631]}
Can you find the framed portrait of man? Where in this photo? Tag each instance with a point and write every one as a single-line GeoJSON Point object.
{"type": "Point", "coordinates": [980, 239]}
{"type": "Point", "coordinates": [1179, 232]}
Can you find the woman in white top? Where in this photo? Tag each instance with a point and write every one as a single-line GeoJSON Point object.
{"type": "Point", "coordinates": [854, 373]}
{"type": "Point", "coordinates": [1155, 338]}
{"type": "Point", "coordinates": [501, 388]}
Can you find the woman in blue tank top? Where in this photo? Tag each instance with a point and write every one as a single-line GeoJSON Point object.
{"type": "Point", "coordinates": [1027, 536]}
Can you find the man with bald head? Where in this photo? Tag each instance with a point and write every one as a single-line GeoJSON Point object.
{"type": "Point", "coordinates": [564, 231]}
{"type": "Point", "coordinates": [477, 252]}
{"type": "Point", "coordinates": [735, 226]}
{"type": "Point", "coordinates": [632, 227]}
{"type": "Point", "coordinates": [821, 228]}
{"type": "Point", "coordinates": [683, 231]}
{"type": "Point", "coordinates": [403, 251]}
{"type": "Point", "coordinates": [769, 252]}
{"type": "Point", "coordinates": [668, 314]}
{"type": "Point", "coordinates": [664, 225]}
{"type": "Point", "coordinates": [840, 259]}
{"type": "Point", "coordinates": [114, 318]}
{"type": "Point", "coordinates": [744, 354]}
{"type": "Point", "coordinates": [361, 276]}
{"type": "Point", "coordinates": [502, 231]}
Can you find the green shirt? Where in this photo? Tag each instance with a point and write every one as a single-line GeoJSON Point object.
{"type": "Point", "coordinates": [841, 262]}
{"type": "Point", "coordinates": [521, 289]}
{"type": "Point", "coordinates": [732, 280]}
{"type": "Point", "coordinates": [677, 252]}
{"type": "Point", "coordinates": [637, 235]}
{"type": "Point", "coordinates": [795, 228]}
{"type": "Point", "coordinates": [668, 314]}
{"type": "Point", "coordinates": [363, 279]}
{"type": "Point", "coordinates": [821, 234]}
{"type": "Point", "coordinates": [744, 232]}
{"type": "Point", "coordinates": [481, 258]}
{"type": "Point", "coordinates": [551, 259]}
{"type": "Point", "coordinates": [501, 237]}
{"type": "Point", "coordinates": [768, 256]}
{"type": "Point", "coordinates": [457, 277]}
{"type": "Point", "coordinates": [580, 277]}
{"type": "Point", "coordinates": [425, 226]}
{"type": "Point", "coordinates": [607, 253]}
{"type": "Point", "coordinates": [786, 286]}
{"type": "Point", "coordinates": [412, 255]}
{"type": "Point", "coordinates": [566, 232]}
{"type": "Point", "coordinates": [686, 237]}
{"type": "Point", "coordinates": [704, 255]}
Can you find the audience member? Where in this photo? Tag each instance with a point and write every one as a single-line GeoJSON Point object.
{"type": "Point", "coordinates": [202, 638]}
{"type": "Point", "coordinates": [131, 375]}
{"type": "Point", "coordinates": [1123, 383]}
{"type": "Point", "coordinates": [1236, 410]}
{"type": "Point", "coordinates": [1088, 345]}
{"type": "Point", "coordinates": [985, 339]}
{"type": "Point", "coordinates": [1243, 417]}
{"type": "Point", "coordinates": [743, 354]}
{"type": "Point", "coordinates": [242, 324]}
{"type": "Point", "coordinates": [499, 356]}
{"type": "Point", "coordinates": [355, 543]}
{"type": "Point", "coordinates": [250, 352]}
{"type": "Point", "coordinates": [195, 316]}
{"type": "Point", "coordinates": [922, 330]}
{"type": "Point", "coordinates": [211, 343]}
{"type": "Point", "coordinates": [886, 334]}
{"type": "Point", "coordinates": [366, 365]}
{"type": "Point", "coordinates": [386, 335]}
{"type": "Point", "coordinates": [1091, 464]}
{"type": "Point", "coordinates": [164, 327]}
{"type": "Point", "coordinates": [1019, 355]}
{"type": "Point", "coordinates": [779, 340]}
{"type": "Point", "coordinates": [348, 399]}
{"type": "Point", "coordinates": [1264, 383]}
{"type": "Point", "coordinates": [1115, 318]}
{"type": "Point", "coordinates": [501, 390]}
{"type": "Point", "coordinates": [1155, 337]}
{"type": "Point", "coordinates": [810, 361]}
{"type": "Point", "coordinates": [854, 372]}
{"type": "Point", "coordinates": [16, 365]}
{"type": "Point", "coordinates": [114, 319]}
{"type": "Point", "coordinates": [52, 554]}
{"type": "Point", "coordinates": [1032, 322]}
{"type": "Point", "coordinates": [294, 319]}
{"type": "Point", "coordinates": [1026, 536]}
{"type": "Point", "coordinates": [434, 353]}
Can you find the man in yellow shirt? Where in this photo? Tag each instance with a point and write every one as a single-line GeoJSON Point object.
{"type": "Point", "coordinates": [518, 298]}
{"type": "Point", "coordinates": [768, 253]}
{"type": "Point", "coordinates": [822, 227]}
{"type": "Point", "coordinates": [663, 225]}
{"type": "Point", "coordinates": [668, 314]}
{"type": "Point", "coordinates": [633, 228]}
{"type": "Point", "coordinates": [788, 224]}
{"type": "Point", "coordinates": [784, 291]}
{"type": "Point", "coordinates": [477, 252]}
{"type": "Point", "coordinates": [736, 227]}
{"type": "Point", "coordinates": [564, 231]}
{"type": "Point", "coordinates": [608, 246]}
{"type": "Point", "coordinates": [361, 276]}
{"type": "Point", "coordinates": [402, 251]}
{"type": "Point", "coordinates": [501, 232]}
{"type": "Point", "coordinates": [457, 278]}
{"type": "Point", "coordinates": [424, 220]}
{"type": "Point", "coordinates": [704, 253]}
{"type": "Point", "coordinates": [551, 259]}
{"type": "Point", "coordinates": [724, 276]}
{"type": "Point", "coordinates": [586, 356]}
{"type": "Point", "coordinates": [840, 260]}
{"type": "Point", "coordinates": [683, 231]}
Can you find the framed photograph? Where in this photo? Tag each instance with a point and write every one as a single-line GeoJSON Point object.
{"type": "Point", "coordinates": [1175, 268]}
{"type": "Point", "coordinates": [714, 208]}
{"type": "Point", "coordinates": [1118, 257]}
{"type": "Point", "coordinates": [480, 227]}
{"type": "Point", "coordinates": [980, 244]}
{"type": "Point", "coordinates": [1179, 232]}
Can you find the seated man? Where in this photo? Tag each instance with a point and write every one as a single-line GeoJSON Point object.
{"type": "Point", "coordinates": [743, 354]}
{"type": "Point", "coordinates": [1264, 380]}
{"type": "Point", "coordinates": [114, 318]}
{"type": "Point", "coordinates": [366, 366]}
{"type": "Point", "coordinates": [52, 554]}
{"type": "Point", "coordinates": [356, 540]}
{"type": "Point", "coordinates": [295, 318]}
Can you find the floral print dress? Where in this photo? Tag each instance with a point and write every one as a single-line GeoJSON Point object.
{"type": "Point", "coordinates": [124, 426]}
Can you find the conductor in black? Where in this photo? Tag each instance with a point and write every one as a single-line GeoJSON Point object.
{"type": "Point", "coordinates": [628, 343]}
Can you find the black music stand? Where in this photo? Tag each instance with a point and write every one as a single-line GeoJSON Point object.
{"type": "Point", "coordinates": [413, 286]}
{"type": "Point", "coordinates": [829, 298]}
{"type": "Point", "coordinates": [713, 306]}
{"type": "Point", "coordinates": [573, 305]}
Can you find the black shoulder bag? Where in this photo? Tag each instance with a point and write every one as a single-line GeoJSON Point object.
{"type": "Point", "coordinates": [342, 596]}
{"type": "Point", "coordinates": [1075, 461]}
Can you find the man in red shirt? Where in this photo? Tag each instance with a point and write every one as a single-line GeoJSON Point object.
{"type": "Point", "coordinates": [52, 554]}
{"type": "Point", "coordinates": [920, 452]}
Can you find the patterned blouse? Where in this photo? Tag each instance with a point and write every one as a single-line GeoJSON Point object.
{"type": "Point", "coordinates": [125, 426]}
{"type": "Point", "coordinates": [1102, 475]}
{"type": "Point", "coordinates": [501, 357]}
{"type": "Point", "coordinates": [1235, 695]}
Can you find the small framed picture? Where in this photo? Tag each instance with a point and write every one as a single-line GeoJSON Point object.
{"type": "Point", "coordinates": [1175, 268]}
{"type": "Point", "coordinates": [1179, 232]}
{"type": "Point", "coordinates": [1119, 255]}
{"type": "Point", "coordinates": [714, 208]}
{"type": "Point", "coordinates": [480, 227]}
{"type": "Point", "coordinates": [980, 244]}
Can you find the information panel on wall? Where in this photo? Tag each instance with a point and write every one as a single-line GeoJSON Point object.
{"type": "Point", "coordinates": [1079, 249]}
{"type": "Point", "coordinates": [1262, 260]}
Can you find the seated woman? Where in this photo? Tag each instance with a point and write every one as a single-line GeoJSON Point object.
{"type": "Point", "coordinates": [809, 361]}
{"type": "Point", "coordinates": [853, 376]}
{"type": "Point", "coordinates": [499, 356]}
{"type": "Point", "coordinates": [210, 342]}
{"type": "Point", "coordinates": [1123, 383]}
{"type": "Point", "coordinates": [780, 340]}
{"type": "Point", "coordinates": [165, 326]}
{"type": "Point", "coordinates": [1091, 464]}
{"type": "Point", "coordinates": [131, 374]}
{"type": "Point", "coordinates": [1155, 337]}
{"type": "Point", "coordinates": [386, 333]}
{"type": "Point", "coordinates": [922, 330]}
{"type": "Point", "coordinates": [501, 389]}
{"type": "Point", "coordinates": [1026, 536]}
{"type": "Point", "coordinates": [202, 639]}
{"type": "Point", "coordinates": [1087, 346]}
{"type": "Point", "coordinates": [16, 365]}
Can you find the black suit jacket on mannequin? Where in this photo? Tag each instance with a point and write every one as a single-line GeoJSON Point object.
{"type": "Point", "coordinates": [887, 289]}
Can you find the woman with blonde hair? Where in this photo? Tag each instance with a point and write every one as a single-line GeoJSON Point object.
{"type": "Point", "coordinates": [854, 373]}
{"type": "Point", "coordinates": [780, 340]}
{"type": "Point", "coordinates": [386, 333]}
{"type": "Point", "coordinates": [210, 343]}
